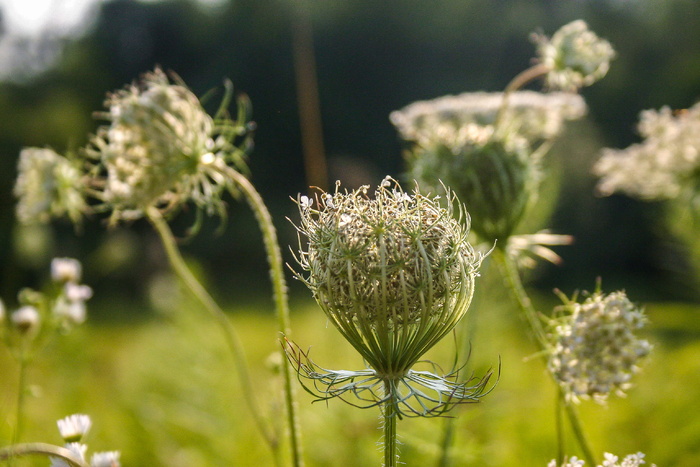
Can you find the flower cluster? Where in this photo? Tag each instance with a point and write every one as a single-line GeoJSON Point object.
{"type": "Point", "coordinates": [574, 56]}
{"type": "Point", "coordinates": [611, 460]}
{"type": "Point", "coordinates": [665, 165]}
{"type": "Point", "coordinates": [162, 149]}
{"type": "Point", "coordinates": [594, 349]}
{"type": "Point", "coordinates": [73, 430]}
{"type": "Point", "coordinates": [488, 154]}
{"type": "Point", "coordinates": [48, 185]}
{"type": "Point", "coordinates": [394, 273]}
{"type": "Point", "coordinates": [62, 306]}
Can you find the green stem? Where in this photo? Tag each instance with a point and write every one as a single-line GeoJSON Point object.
{"type": "Point", "coordinates": [26, 449]}
{"type": "Point", "coordinates": [447, 440]}
{"type": "Point", "coordinates": [561, 450]}
{"type": "Point", "coordinates": [520, 80]}
{"type": "Point", "coordinates": [274, 257]}
{"type": "Point", "coordinates": [233, 341]}
{"type": "Point", "coordinates": [23, 360]}
{"type": "Point", "coordinates": [391, 454]}
{"type": "Point", "coordinates": [515, 285]}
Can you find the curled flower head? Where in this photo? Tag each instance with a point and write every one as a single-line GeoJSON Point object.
{"type": "Point", "coordinates": [575, 56]}
{"type": "Point", "coordinates": [393, 272]}
{"type": "Point", "coordinates": [48, 185]}
{"type": "Point", "coordinates": [665, 165]}
{"type": "Point", "coordinates": [162, 149]}
{"type": "Point", "coordinates": [594, 346]}
{"type": "Point", "coordinates": [74, 427]}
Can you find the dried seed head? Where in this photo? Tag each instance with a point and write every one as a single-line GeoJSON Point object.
{"type": "Point", "coordinates": [595, 350]}
{"type": "Point", "coordinates": [48, 185]}
{"type": "Point", "coordinates": [575, 56]}
{"type": "Point", "coordinates": [393, 272]}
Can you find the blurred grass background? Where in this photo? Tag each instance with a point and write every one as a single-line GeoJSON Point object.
{"type": "Point", "coordinates": [154, 373]}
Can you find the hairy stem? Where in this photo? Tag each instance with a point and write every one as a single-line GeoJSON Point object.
{"type": "Point", "coordinates": [279, 284]}
{"type": "Point", "coordinates": [232, 339]}
{"type": "Point", "coordinates": [49, 450]}
{"type": "Point", "coordinates": [514, 283]}
{"type": "Point", "coordinates": [391, 454]}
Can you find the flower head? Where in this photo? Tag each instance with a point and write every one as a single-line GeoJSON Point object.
{"type": "Point", "coordinates": [77, 450]}
{"type": "Point", "coordinates": [74, 427]}
{"type": "Point", "coordinates": [161, 149]}
{"type": "Point", "coordinates": [66, 270]}
{"type": "Point", "coordinates": [26, 319]}
{"type": "Point", "coordinates": [575, 56]}
{"type": "Point", "coordinates": [105, 459]}
{"type": "Point", "coordinates": [665, 165]}
{"type": "Point", "coordinates": [393, 272]}
{"type": "Point", "coordinates": [594, 346]}
{"type": "Point", "coordinates": [48, 185]}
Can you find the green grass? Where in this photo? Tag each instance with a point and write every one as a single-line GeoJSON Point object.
{"type": "Point", "coordinates": [163, 391]}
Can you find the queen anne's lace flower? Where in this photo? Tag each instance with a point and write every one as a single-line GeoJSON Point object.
{"type": "Point", "coordinates": [665, 165]}
{"type": "Point", "coordinates": [594, 349]}
{"type": "Point", "coordinates": [48, 185]}
{"type": "Point", "coordinates": [162, 149]}
{"type": "Point", "coordinates": [574, 56]}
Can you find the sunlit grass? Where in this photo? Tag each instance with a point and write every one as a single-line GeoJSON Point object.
{"type": "Point", "coordinates": [162, 392]}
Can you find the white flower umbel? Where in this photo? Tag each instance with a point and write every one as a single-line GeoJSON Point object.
{"type": "Point", "coordinates": [48, 185]}
{"type": "Point", "coordinates": [74, 427]}
{"type": "Point", "coordinates": [574, 56]}
{"type": "Point", "coordinates": [665, 165]}
{"type": "Point", "coordinates": [594, 347]}
{"type": "Point", "coordinates": [572, 462]}
{"type": "Point", "coordinates": [534, 116]}
{"type": "Point", "coordinates": [161, 149]}
{"type": "Point", "coordinates": [631, 460]}
{"type": "Point", "coordinates": [105, 459]}
{"type": "Point", "coordinates": [66, 270]}
{"type": "Point", "coordinates": [394, 273]}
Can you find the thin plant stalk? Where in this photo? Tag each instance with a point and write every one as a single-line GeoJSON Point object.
{"type": "Point", "coordinates": [232, 339]}
{"type": "Point", "coordinates": [448, 435]}
{"type": "Point", "coordinates": [520, 80]}
{"type": "Point", "coordinates": [514, 283]}
{"type": "Point", "coordinates": [23, 361]}
{"type": "Point", "coordinates": [274, 257]}
{"type": "Point", "coordinates": [390, 442]}
{"type": "Point", "coordinates": [27, 449]}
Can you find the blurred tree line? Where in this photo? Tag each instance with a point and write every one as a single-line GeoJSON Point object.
{"type": "Point", "coordinates": [372, 57]}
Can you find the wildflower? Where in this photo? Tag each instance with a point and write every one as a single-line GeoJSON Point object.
{"type": "Point", "coordinates": [574, 56]}
{"type": "Point", "coordinates": [74, 427]}
{"type": "Point", "coordinates": [66, 270]}
{"type": "Point", "coordinates": [665, 165]}
{"type": "Point", "coordinates": [631, 460]}
{"type": "Point", "coordinates": [594, 348]}
{"type": "Point", "coordinates": [48, 185]}
{"type": "Point", "coordinates": [573, 462]}
{"type": "Point", "coordinates": [394, 274]}
{"type": "Point", "coordinates": [77, 450]}
{"type": "Point", "coordinates": [26, 319]}
{"type": "Point", "coordinates": [105, 459]}
{"type": "Point", "coordinates": [161, 149]}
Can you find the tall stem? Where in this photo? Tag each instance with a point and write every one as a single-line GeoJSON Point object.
{"type": "Point", "coordinates": [274, 257]}
{"type": "Point", "coordinates": [23, 361]}
{"type": "Point", "coordinates": [514, 283]}
{"type": "Point", "coordinates": [447, 439]}
{"type": "Point", "coordinates": [233, 341]}
{"type": "Point", "coordinates": [391, 454]}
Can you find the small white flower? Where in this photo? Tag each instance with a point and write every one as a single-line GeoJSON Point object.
{"type": "Point", "coordinates": [305, 202]}
{"type": "Point", "coordinates": [72, 312]}
{"type": "Point", "coordinates": [74, 427]}
{"type": "Point", "coordinates": [66, 270]}
{"type": "Point", "coordinates": [77, 450]}
{"type": "Point", "coordinates": [25, 318]}
{"type": "Point", "coordinates": [77, 292]}
{"type": "Point", "coordinates": [105, 459]}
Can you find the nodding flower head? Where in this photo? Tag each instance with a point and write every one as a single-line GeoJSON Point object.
{"type": "Point", "coordinates": [575, 56]}
{"type": "Point", "coordinates": [48, 185]}
{"type": "Point", "coordinates": [394, 272]}
{"type": "Point", "coordinates": [594, 346]}
{"type": "Point", "coordinates": [162, 149]}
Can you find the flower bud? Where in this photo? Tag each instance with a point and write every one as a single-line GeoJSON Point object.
{"type": "Point", "coordinates": [575, 56]}
{"type": "Point", "coordinates": [26, 319]}
{"type": "Point", "coordinates": [394, 272]}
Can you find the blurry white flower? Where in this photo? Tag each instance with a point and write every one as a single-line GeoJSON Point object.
{"type": "Point", "coordinates": [594, 347]}
{"type": "Point", "coordinates": [524, 248]}
{"type": "Point", "coordinates": [631, 460]}
{"type": "Point", "coordinates": [26, 318]}
{"type": "Point", "coordinates": [77, 449]}
{"type": "Point", "coordinates": [66, 270]}
{"type": "Point", "coordinates": [575, 56]}
{"type": "Point", "coordinates": [664, 165]}
{"type": "Point", "coordinates": [74, 427]}
{"type": "Point", "coordinates": [77, 292]}
{"type": "Point", "coordinates": [48, 185]}
{"type": "Point", "coordinates": [105, 459]}
{"type": "Point", "coordinates": [573, 462]}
